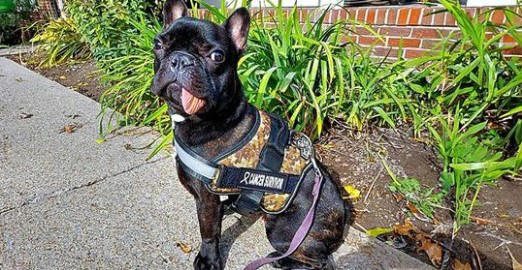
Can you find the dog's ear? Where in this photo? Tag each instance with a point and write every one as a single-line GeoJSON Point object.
{"type": "Point", "coordinates": [173, 10]}
{"type": "Point", "coordinates": [237, 26]}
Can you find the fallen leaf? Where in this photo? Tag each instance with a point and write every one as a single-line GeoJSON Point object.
{"type": "Point", "coordinates": [184, 247]}
{"type": "Point", "coordinates": [433, 250]}
{"type": "Point", "coordinates": [70, 128]}
{"type": "Point", "coordinates": [100, 140]}
{"type": "Point", "coordinates": [62, 77]}
{"type": "Point", "coordinates": [19, 79]}
{"type": "Point", "coordinates": [353, 193]}
{"type": "Point", "coordinates": [514, 262]}
{"type": "Point", "coordinates": [25, 115]}
{"type": "Point", "coordinates": [412, 208]}
{"type": "Point", "coordinates": [458, 265]}
{"type": "Point", "coordinates": [481, 221]}
{"type": "Point", "coordinates": [378, 231]}
{"type": "Point", "coordinates": [405, 228]}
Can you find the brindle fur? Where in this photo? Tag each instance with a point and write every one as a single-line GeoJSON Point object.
{"type": "Point", "coordinates": [224, 120]}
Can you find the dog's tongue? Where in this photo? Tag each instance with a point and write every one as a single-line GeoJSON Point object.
{"type": "Point", "coordinates": [191, 104]}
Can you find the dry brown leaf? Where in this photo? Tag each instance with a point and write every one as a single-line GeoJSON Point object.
{"type": "Point", "coordinates": [70, 128]}
{"type": "Point", "coordinates": [62, 77]}
{"type": "Point", "coordinates": [458, 265]}
{"type": "Point", "coordinates": [481, 221]}
{"type": "Point", "coordinates": [184, 247]}
{"type": "Point", "coordinates": [433, 250]}
{"type": "Point", "coordinates": [516, 264]}
{"type": "Point", "coordinates": [412, 208]}
{"type": "Point", "coordinates": [405, 228]}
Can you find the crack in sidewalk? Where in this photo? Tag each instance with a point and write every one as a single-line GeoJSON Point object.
{"type": "Point", "coordinates": [46, 196]}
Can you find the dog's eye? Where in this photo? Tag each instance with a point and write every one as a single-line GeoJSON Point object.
{"type": "Point", "coordinates": [217, 56]}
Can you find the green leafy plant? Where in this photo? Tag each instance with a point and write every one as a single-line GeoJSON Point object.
{"type": "Point", "coordinates": [60, 41]}
{"type": "Point", "coordinates": [424, 199]}
{"type": "Point", "coordinates": [106, 25]}
{"type": "Point", "coordinates": [468, 163]}
{"type": "Point", "coordinates": [473, 69]}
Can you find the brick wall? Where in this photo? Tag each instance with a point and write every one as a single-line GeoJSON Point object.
{"type": "Point", "coordinates": [47, 9]}
{"type": "Point", "coordinates": [414, 28]}
{"type": "Point", "coordinates": [417, 29]}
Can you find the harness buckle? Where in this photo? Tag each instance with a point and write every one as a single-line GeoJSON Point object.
{"type": "Point", "coordinates": [219, 172]}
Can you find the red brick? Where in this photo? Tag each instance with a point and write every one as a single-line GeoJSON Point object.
{"type": "Point", "coordinates": [364, 40]}
{"type": "Point", "coordinates": [497, 17]}
{"type": "Point", "coordinates": [381, 16]}
{"type": "Point", "coordinates": [429, 44]}
{"type": "Point", "coordinates": [304, 14]}
{"type": "Point", "coordinates": [435, 44]}
{"type": "Point", "coordinates": [392, 16]}
{"type": "Point", "coordinates": [334, 16]}
{"type": "Point", "coordinates": [471, 12]}
{"type": "Point", "coordinates": [343, 15]}
{"type": "Point", "coordinates": [414, 53]}
{"type": "Point", "coordinates": [427, 33]}
{"type": "Point", "coordinates": [286, 13]}
{"type": "Point", "coordinates": [395, 31]}
{"type": "Point", "coordinates": [403, 16]}
{"type": "Point", "coordinates": [414, 16]}
{"type": "Point", "coordinates": [349, 38]}
{"type": "Point", "coordinates": [362, 31]}
{"type": "Point", "coordinates": [450, 20]}
{"type": "Point", "coordinates": [404, 42]}
{"type": "Point", "coordinates": [361, 14]}
{"type": "Point", "coordinates": [438, 18]}
{"type": "Point", "coordinates": [351, 13]}
{"type": "Point", "coordinates": [513, 51]}
{"type": "Point", "coordinates": [383, 51]}
{"type": "Point", "coordinates": [455, 34]}
{"type": "Point", "coordinates": [370, 16]}
{"type": "Point", "coordinates": [426, 17]}
{"type": "Point", "coordinates": [508, 39]}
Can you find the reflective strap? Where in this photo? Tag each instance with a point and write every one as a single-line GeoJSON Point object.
{"type": "Point", "coordinates": [194, 164]}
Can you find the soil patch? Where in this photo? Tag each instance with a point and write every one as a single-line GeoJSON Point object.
{"type": "Point", "coordinates": [356, 158]}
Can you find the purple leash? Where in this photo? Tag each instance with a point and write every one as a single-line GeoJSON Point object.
{"type": "Point", "coordinates": [300, 234]}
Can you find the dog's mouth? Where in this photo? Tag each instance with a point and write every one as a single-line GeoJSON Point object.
{"type": "Point", "coordinates": [191, 104]}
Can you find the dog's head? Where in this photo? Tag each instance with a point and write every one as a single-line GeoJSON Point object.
{"type": "Point", "coordinates": [196, 61]}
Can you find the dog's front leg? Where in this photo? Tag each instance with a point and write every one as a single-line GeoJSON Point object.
{"type": "Point", "coordinates": [210, 213]}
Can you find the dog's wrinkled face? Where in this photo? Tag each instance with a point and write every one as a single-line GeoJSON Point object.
{"type": "Point", "coordinates": [196, 60]}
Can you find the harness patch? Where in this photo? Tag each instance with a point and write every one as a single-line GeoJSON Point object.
{"type": "Point", "coordinates": [265, 180]}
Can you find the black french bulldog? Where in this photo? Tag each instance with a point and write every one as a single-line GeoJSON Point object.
{"type": "Point", "coordinates": [196, 74]}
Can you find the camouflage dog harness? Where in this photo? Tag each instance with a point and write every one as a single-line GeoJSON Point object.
{"type": "Point", "coordinates": [265, 168]}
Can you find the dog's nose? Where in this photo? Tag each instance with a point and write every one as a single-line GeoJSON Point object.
{"type": "Point", "coordinates": [181, 61]}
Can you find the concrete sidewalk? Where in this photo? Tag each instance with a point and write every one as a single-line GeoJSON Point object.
{"type": "Point", "coordinates": [67, 202]}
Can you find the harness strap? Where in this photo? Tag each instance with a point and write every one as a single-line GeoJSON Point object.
{"type": "Point", "coordinates": [194, 165]}
{"type": "Point", "coordinates": [271, 159]}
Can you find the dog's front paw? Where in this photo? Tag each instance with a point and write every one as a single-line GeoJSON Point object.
{"type": "Point", "coordinates": [206, 263]}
